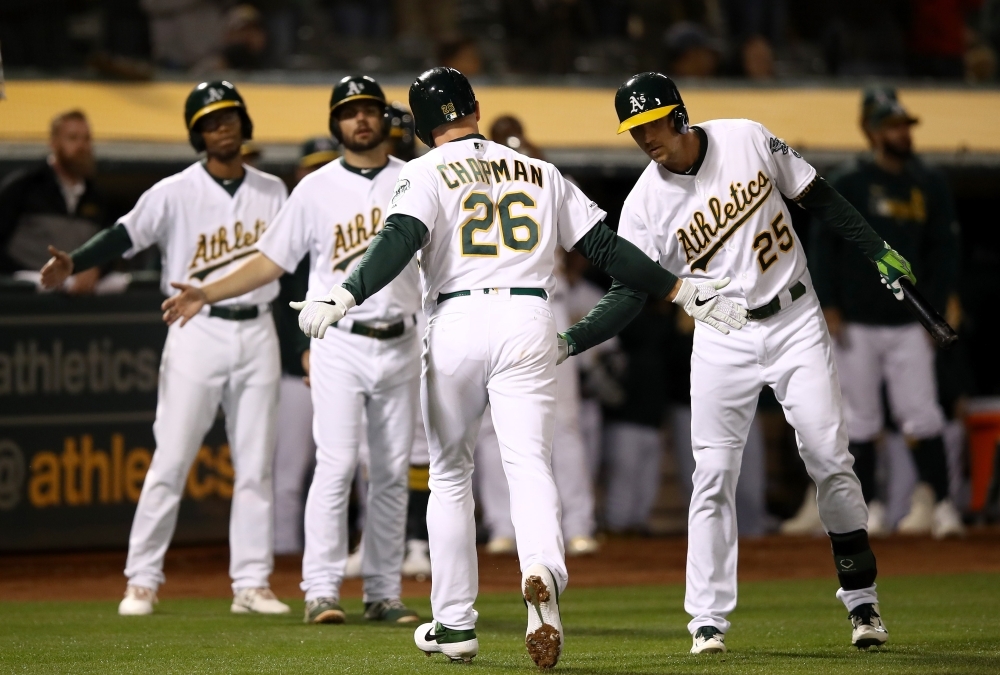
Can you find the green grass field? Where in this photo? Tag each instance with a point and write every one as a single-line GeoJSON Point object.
{"type": "Point", "coordinates": [941, 624]}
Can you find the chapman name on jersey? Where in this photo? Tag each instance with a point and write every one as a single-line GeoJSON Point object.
{"type": "Point", "coordinates": [493, 216]}
{"type": "Point", "coordinates": [333, 215]}
{"type": "Point", "coordinates": [728, 220]}
{"type": "Point", "coordinates": [202, 230]}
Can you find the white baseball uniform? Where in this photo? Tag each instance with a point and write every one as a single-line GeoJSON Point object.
{"type": "Point", "coordinates": [202, 231]}
{"type": "Point", "coordinates": [728, 219]}
{"type": "Point", "coordinates": [493, 219]}
{"type": "Point", "coordinates": [333, 214]}
{"type": "Point", "coordinates": [570, 466]}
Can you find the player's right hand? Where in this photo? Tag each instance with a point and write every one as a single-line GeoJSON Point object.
{"type": "Point", "coordinates": [185, 305]}
{"type": "Point", "coordinates": [892, 267]}
{"type": "Point", "coordinates": [57, 270]}
{"type": "Point", "coordinates": [703, 303]}
{"type": "Point", "coordinates": [315, 316]}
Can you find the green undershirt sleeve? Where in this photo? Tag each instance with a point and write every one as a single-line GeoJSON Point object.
{"type": "Point", "coordinates": [389, 253]}
{"type": "Point", "coordinates": [622, 261]}
{"type": "Point", "coordinates": [821, 200]}
{"type": "Point", "coordinates": [102, 248]}
{"type": "Point", "coordinates": [615, 311]}
{"type": "Point", "coordinates": [635, 276]}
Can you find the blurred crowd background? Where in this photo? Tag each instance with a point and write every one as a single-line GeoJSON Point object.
{"type": "Point", "coordinates": [634, 391]}
{"type": "Point", "coordinates": [755, 39]}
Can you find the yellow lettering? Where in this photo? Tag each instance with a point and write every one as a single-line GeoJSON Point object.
{"type": "Point", "coordinates": [462, 174]}
{"type": "Point", "coordinates": [500, 169]}
{"type": "Point", "coordinates": [43, 489]}
{"type": "Point", "coordinates": [90, 461]}
{"type": "Point", "coordinates": [690, 252]}
{"type": "Point", "coordinates": [117, 466]}
{"type": "Point", "coordinates": [477, 173]}
{"type": "Point", "coordinates": [71, 462]}
{"type": "Point", "coordinates": [201, 253]}
{"type": "Point", "coordinates": [339, 242]}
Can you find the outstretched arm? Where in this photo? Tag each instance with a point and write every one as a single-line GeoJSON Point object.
{"type": "Point", "coordinates": [389, 253]}
{"type": "Point", "coordinates": [257, 271]}
{"type": "Point", "coordinates": [827, 204]}
{"type": "Point", "coordinates": [636, 276]}
{"type": "Point", "coordinates": [102, 248]}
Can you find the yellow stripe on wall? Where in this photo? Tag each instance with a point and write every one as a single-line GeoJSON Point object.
{"type": "Point", "coordinates": [818, 119]}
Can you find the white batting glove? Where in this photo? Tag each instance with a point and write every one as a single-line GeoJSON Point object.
{"type": "Point", "coordinates": [704, 303]}
{"type": "Point", "coordinates": [315, 316]}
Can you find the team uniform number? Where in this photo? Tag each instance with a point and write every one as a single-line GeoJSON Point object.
{"type": "Point", "coordinates": [518, 233]}
{"type": "Point", "coordinates": [764, 242]}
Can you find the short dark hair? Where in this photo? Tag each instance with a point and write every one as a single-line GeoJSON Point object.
{"type": "Point", "coordinates": [57, 121]}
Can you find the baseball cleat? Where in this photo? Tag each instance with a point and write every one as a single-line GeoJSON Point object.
{"type": "Point", "coordinates": [708, 640]}
{"type": "Point", "coordinates": [877, 526]}
{"type": "Point", "coordinates": [920, 519]}
{"type": "Point", "coordinates": [138, 601]}
{"type": "Point", "coordinates": [390, 610]}
{"type": "Point", "coordinates": [869, 631]}
{"type": "Point", "coordinates": [324, 610]}
{"type": "Point", "coordinates": [582, 545]}
{"type": "Point", "coordinates": [544, 637]}
{"type": "Point", "coordinates": [947, 521]}
{"type": "Point", "coordinates": [457, 645]}
{"type": "Point", "coordinates": [502, 546]}
{"type": "Point", "coordinates": [352, 570]}
{"type": "Point", "coordinates": [257, 601]}
{"type": "Point", "coordinates": [417, 562]}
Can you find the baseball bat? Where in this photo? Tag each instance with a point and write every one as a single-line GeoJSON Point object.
{"type": "Point", "coordinates": [943, 334]}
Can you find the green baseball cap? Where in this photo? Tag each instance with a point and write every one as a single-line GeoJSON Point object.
{"type": "Point", "coordinates": [317, 151]}
{"type": "Point", "coordinates": [880, 105]}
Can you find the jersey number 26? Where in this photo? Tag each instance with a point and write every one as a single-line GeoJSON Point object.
{"type": "Point", "coordinates": [518, 233]}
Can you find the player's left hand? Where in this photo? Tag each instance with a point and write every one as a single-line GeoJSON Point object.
{"type": "Point", "coordinates": [315, 316]}
{"type": "Point", "coordinates": [185, 305]}
{"type": "Point", "coordinates": [704, 303]}
{"type": "Point", "coordinates": [893, 267]}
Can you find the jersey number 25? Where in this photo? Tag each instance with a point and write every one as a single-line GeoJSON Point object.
{"type": "Point", "coordinates": [518, 233]}
{"type": "Point", "coordinates": [763, 242]}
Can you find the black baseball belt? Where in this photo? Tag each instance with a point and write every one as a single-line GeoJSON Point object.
{"type": "Point", "coordinates": [536, 292]}
{"type": "Point", "coordinates": [797, 290]}
{"type": "Point", "coordinates": [383, 332]}
{"type": "Point", "coordinates": [235, 312]}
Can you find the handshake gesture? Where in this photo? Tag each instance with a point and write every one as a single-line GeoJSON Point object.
{"type": "Point", "coordinates": [703, 303]}
{"type": "Point", "coordinates": [315, 316]}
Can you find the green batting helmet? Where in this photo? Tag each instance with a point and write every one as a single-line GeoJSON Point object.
{"type": "Point", "coordinates": [646, 97]}
{"type": "Point", "coordinates": [355, 88]}
{"type": "Point", "coordinates": [439, 96]}
{"type": "Point", "coordinates": [208, 97]}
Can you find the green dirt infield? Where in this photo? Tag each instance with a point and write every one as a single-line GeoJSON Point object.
{"type": "Point", "coordinates": [937, 624]}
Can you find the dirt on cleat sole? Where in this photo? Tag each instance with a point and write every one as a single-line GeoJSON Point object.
{"type": "Point", "coordinates": [542, 644]}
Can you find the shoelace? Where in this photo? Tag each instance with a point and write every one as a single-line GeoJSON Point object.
{"type": "Point", "coordinates": [863, 614]}
{"type": "Point", "coordinates": [394, 603]}
{"type": "Point", "coordinates": [707, 632]}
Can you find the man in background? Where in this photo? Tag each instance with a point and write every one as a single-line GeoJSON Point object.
{"type": "Point", "coordinates": [295, 451]}
{"type": "Point", "coordinates": [876, 339]}
{"type": "Point", "coordinates": [54, 203]}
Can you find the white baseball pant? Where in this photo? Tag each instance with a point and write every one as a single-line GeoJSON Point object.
{"type": "Point", "coordinates": [351, 374]}
{"type": "Point", "coordinates": [902, 357]}
{"type": "Point", "coordinates": [208, 362]}
{"type": "Point", "coordinates": [793, 353]}
{"type": "Point", "coordinates": [496, 349]}
{"type": "Point", "coordinates": [294, 453]}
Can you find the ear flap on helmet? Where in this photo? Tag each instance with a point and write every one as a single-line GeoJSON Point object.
{"type": "Point", "coordinates": [681, 123]}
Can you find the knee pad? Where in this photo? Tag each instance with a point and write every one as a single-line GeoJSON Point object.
{"type": "Point", "coordinates": [854, 560]}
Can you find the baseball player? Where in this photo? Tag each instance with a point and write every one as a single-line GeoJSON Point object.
{"type": "Point", "coordinates": [709, 204]}
{"type": "Point", "coordinates": [369, 363]}
{"type": "Point", "coordinates": [876, 339]}
{"type": "Point", "coordinates": [204, 219]}
{"type": "Point", "coordinates": [486, 220]}
{"type": "Point", "coordinates": [295, 450]}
